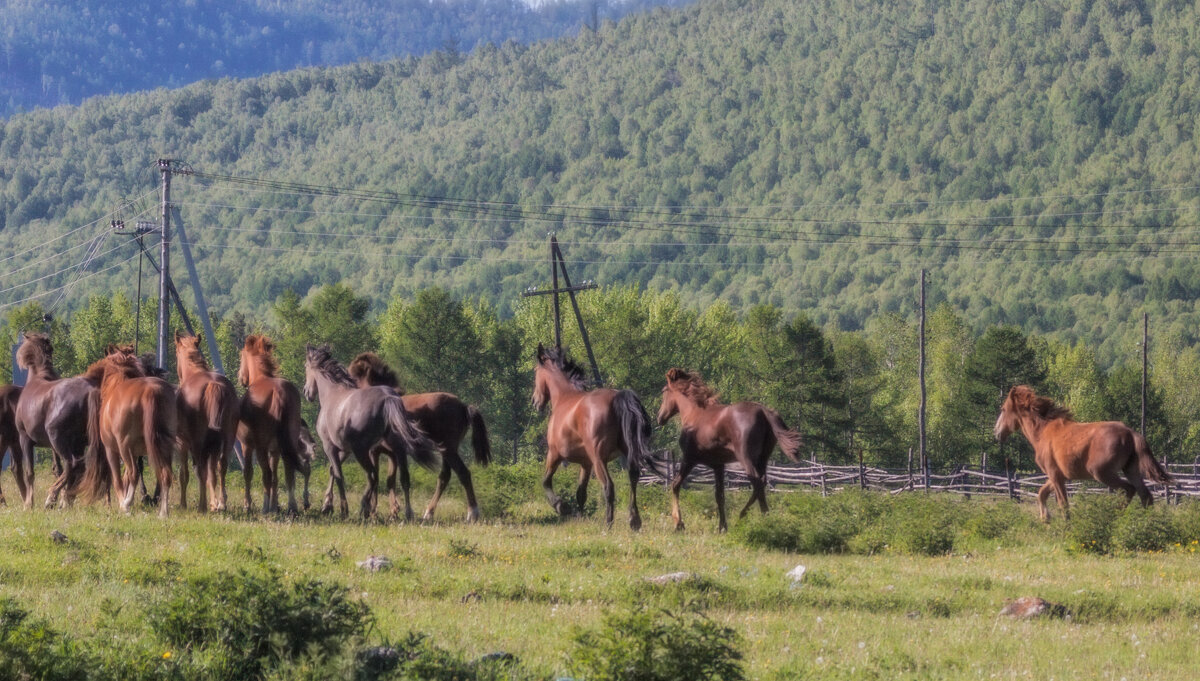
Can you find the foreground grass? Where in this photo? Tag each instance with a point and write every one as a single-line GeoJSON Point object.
{"type": "Point", "coordinates": [524, 584]}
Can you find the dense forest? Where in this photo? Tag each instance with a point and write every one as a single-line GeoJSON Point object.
{"type": "Point", "coordinates": [57, 52]}
{"type": "Point", "coordinates": [1037, 157]}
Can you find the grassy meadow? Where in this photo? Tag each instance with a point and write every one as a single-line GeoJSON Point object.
{"type": "Point", "coordinates": [873, 604]}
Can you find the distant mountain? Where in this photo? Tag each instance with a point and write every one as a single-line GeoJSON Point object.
{"type": "Point", "coordinates": [1038, 158]}
{"type": "Point", "coordinates": [63, 51]}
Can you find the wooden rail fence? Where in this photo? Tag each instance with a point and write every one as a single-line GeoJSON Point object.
{"type": "Point", "coordinates": [960, 480]}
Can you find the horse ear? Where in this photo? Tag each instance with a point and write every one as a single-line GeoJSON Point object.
{"type": "Point", "coordinates": [541, 352]}
{"type": "Point", "coordinates": [110, 349]}
{"type": "Point", "coordinates": [672, 374]}
{"type": "Point", "coordinates": [176, 335]}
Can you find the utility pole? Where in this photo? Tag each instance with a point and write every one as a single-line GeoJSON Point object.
{"type": "Point", "coordinates": [1145, 353]}
{"type": "Point", "coordinates": [164, 274]}
{"type": "Point", "coordinates": [558, 263]}
{"type": "Point", "coordinates": [921, 380]}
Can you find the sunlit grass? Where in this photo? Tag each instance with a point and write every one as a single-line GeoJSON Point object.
{"type": "Point", "coordinates": [524, 585]}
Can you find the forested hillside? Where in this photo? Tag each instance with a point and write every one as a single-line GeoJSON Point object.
{"type": "Point", "coordinates": [57, 52]}
{"type": "Point", "coordinates": [1039, 158]}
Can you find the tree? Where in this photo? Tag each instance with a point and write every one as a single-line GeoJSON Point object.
{"type": "Point", "coordinates": [1003, 358]}
{"type": "Point", "coordinates": [432, 344]}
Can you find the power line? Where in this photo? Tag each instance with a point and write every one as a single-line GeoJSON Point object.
{"type": "Point", "coordinates": [53, 290]}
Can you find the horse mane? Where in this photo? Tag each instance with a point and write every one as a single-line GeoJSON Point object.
{"type": "Point", "coordinates": [36, 354]}
{"type": "Point", "coordinates": [148, 363]}
{"type": "Point", "coordinates": [122, 364]}
{"type": "Point", "coordinates": [322, 357]}
{"type": "Point", "coordinates": [261, 348]}
{"type": "Point", "coordinates": [692, 386]}
{"type": "Point", "coordinates": [1044, 408]}
{"type": "Point", "coordinates": [368, 369]}
{"type": "Point", "coordinates": [571, 369]}
{"type": "Point", "coordinates": [192, 352]}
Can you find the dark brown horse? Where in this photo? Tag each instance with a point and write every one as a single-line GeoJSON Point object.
{"type": "Point", "coordinates": [9, 440]}
{"type": "Point", "coordinates": [444, 418]}
{"type": "Point", "coordinates": [136, 417]}
{"type": "Point", "coordinates": [1065, 449]}
{"type": "Point", "coordinates": [356, 420]}
{"type": "Point", "coordinates": [715, 434]}
{"type": "Point", "coordinates": [268, 423]}
{"type": "Point", "coordinates": [52, 412]}
{"type": "Point", "coordinates": [590, 428]}
{"type": "Point", "coordinates": [208, 409]}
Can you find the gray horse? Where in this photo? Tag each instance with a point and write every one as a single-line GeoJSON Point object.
{"type": "Point", "coordinates": [353, 420]}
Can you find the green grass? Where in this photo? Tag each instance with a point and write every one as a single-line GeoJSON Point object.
{"type": "Point", "coordinates": [526, 583]}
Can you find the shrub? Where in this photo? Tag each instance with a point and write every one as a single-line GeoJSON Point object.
{"type": "Point", "coordinates": [1091, 526]}
{"type": "Point", "coordinates": [30, 649]}
{"type": "Point", "coordinates": [1144, 529]}
{"type": "Point", "coordinates": [924, 535]}
{"type": "Point", "coordinates": [256, 619]}
{"type": "Point", "coordinates": [994, 521]}
{"type": "Point", "coordinates": [644, 645]}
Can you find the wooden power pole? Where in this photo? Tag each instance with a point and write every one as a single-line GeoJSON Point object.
{"type": "Point", "coordinates": [558, 264]}
{"type": "Point", "coordinates": [921, 379]}
{"type": "Point", "coordinates": [164, 271]}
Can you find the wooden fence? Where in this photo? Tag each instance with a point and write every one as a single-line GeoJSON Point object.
{"type": "Point", "coordinates": [960, 480]}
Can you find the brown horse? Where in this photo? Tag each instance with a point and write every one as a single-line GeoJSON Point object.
{"type": "Point", "coordinates": [52, 412]}
{"type": "Point", "coordinates": [208, 409]}
{"type": "Point", "coordinates": [268, 423]}
{"type": "Point", "coordinates": [444, 418]}
{"type": "Point", "coordinates": [9, 440]}
{"type": "Point", "coordinates": [136, 417]}
{"type": "Point", "coordinates": [589, 428]}
{"type": "Point", "coordinates": [715, 434]}
{"type": "Point", "coordinates": [1065, 449]}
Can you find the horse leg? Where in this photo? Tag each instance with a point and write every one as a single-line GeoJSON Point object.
{"type": "Point", "coordinates": [1139, 483]}
{"type": "Point", "coordinates": [405, 486]}
{"type": "Point", "coordinates": [1060, 491]}
{"type": "Point", "coordinates": [163, 485]}
{"type": "Point", "coordinates": [335, 472]}
{"type": "Point", "coordinates": [552, 463]}
{"type": "Point", "coordinates": [186, 453]}
{"type": "Point", "coordinates": [443, 479]}
{"type": "Point", "coordinates": [289, 478]}
{"type": "Point", "coordinates": [1114, 482]}
{"type": "Point", "coordinates": [464, 477]}
{"type": "Point", "coordinates": [1043, 492]}
{"type": "Point", "coordinates": [368, 461]}
{"type": "Point", "coordinates": [393, 471]}
{"type": "Point", "coordinates": [677, 484]}
{"type": "Point", "coordinates": [758, 493]}
{"type": "Point", "coordinates": [266, 461]}
{"type": "Point", "coordinates": [247, 462]}
{"type": "Point", "coordinates": [635, 518]}
{"type": "Point", "coordinates": [23, 469]}
{"type": "Point", "coordinates": [219, 467]}
{"type": "Point", "coordinates": [609, 490]}
{"type": "Point", "coordinates": [585, 474]}
{"type": "Point", "coordinates": [719, 492]}
{"type": "Point", "coordinates": [129, 480]}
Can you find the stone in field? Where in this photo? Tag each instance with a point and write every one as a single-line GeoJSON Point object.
{"type": "Point", "coordinates": [671, 578]}
{"type": "Point", "coordinates": [1028, 607]}
{"type": "Point", "coordinates": [375, 563]}
{"type": "Point", "coordinates": [796, 574]}
{"type": "Point", "coordinates": [58, 537]}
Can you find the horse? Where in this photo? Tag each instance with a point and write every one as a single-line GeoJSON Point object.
{"type": "Point", "coordinates": [9, 440]}
{"type": "Point", "coordinates": [444, 418]}
{"type": "Point", "coordinates": [715, 434]}
{"type": "Point", "coordinates": [51, 412]}
{"type": "Point", "coordinates": [1065, 449]}
{"type": "Point", "coordinates": [589, 428]}
{"type": "Point", "coordinates": [208, 408]}
{"type": "Point", "coordinates": [268, 423]}
{"type": "Point", "coordinates": [135, 417]}
{"type": "Point", "coordinates": [354, 420]}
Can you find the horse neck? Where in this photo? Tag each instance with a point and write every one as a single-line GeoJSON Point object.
{"type": "Point", "coordinates": [255, 370]}
{"type": "Point", "coordinates": [1031, 427]}
{"type": "Point", "coordinates": [559, 386]}
{"type": "Point", "coordinates": [330, 391]}
{"type": "Point", "coordinates": [187, 368]}
{"type": "Point", "coordinates": [689, 411]}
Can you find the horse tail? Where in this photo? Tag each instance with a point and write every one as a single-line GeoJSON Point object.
{"type": "Point", "coordinates": [159, 429]}
{"type": "Point", "coordinates": [635, 427]}
{"type": "Point", "coordinates": [788, 440]}
{"type": "Point", "coordinates": [97, 478]}
{"type": "Point", "coordinates": [1150, 467]}
{"type": "Point", "coordinates": [216, 399]}
{"type": "Point", "coordinates": [285, 411]}
{"type": "Point", "coordinates": [420, 447]}
{"type": "Point", "coordinates": [479, 437]}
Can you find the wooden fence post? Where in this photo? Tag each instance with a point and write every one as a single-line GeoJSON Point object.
{"type": "Point", "coordinates": [910, 477]}
{"type": "Point", "coordinates": [862, 471]}
{"type": "Point", "coordinates": [1008, 473]}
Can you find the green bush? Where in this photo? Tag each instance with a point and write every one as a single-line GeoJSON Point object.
{"type": "Point", "coordinates": [645, 645]}
{"type": "Point", "coordinates": [252, 621]}
{"type": "Point", "coordinates": [1090, 529]}
{"type": "Point", "coordinates": [1145, 529]}
{"type": "Point", "coordinates": [30, 649]}
{"type": "Point", "coordinates": [924, 535]}
{"type": "Point", "coordinates": [995, 521]}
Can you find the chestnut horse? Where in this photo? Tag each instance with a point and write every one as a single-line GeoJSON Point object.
{"type": "Point", "coordinates": [444, 418]}
{"type": "Point", "coordinates": [136, 417]}
{"type": "Point", "coordinates": [9, 440]}
{"type": "Point", "coordinates": [1065, 449]}
{"type": "Point", "coordinates": [208, 409]}
{"type": "Point", "coordinates": [52, 412]}
{"type": "Point", "coordinates": [589, 428]}
{"type": "Point", "coordinates": [355, 420]}
{"type": "Point", "coordinates": [715, 434]}
{"type": "Point", "coordinates": [268, 423]}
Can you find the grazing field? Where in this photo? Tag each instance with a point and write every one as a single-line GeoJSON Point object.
{"type": "Point", "coordinates": [871, 604]}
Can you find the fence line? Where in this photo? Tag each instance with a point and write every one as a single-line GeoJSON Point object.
{"type": "Point", "coordinates": [961, 480]}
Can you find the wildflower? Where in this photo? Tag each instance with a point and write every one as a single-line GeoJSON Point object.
{"type": "Point", "coordinates": [166, 655]}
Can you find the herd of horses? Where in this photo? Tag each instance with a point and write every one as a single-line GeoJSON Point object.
{"type": "Point", "coordinates": [102, 425]}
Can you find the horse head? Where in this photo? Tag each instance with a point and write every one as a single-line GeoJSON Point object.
{"type": "Point", "coordinates": [1009, 419]}
{"type": "Point", "coordinates": [312, 366]}
{"type": "Point", "coordinates": [257, 353]}
{"type": "Point", "coordinates": [541, 386]}
{"type": "Point", "coordinates": [35, 352]}
{"type": "Point", "coordinates": [670, 396]}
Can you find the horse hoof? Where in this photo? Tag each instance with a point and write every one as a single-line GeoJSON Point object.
{"type": "Point", "coordinates": [679, 527]}
{"type": "Point", "coordinates": [635, 524]}
{"type": "Point", "coordinates": [427, 517]}
{"type": "Point", "coordinates": [473, 515]}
